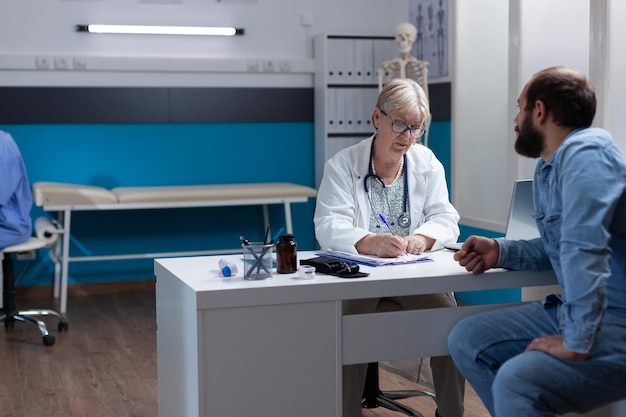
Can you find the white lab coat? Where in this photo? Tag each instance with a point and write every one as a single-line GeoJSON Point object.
{"type": "Point", "coordinates": [343, 210]}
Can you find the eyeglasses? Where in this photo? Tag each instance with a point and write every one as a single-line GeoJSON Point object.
{"type": "Point", "coordinates": [401, 127]}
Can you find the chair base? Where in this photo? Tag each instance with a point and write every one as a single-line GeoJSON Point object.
{"type": "Point", "coordinates": [373, 397]}
{"type": "Point", "coordinates": [27, 316]}
{"type": "Point", "coordinates": [10, 314]}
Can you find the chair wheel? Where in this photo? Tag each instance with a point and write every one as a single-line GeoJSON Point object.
{"type": "Point", "coordinates": [63, 326]}
{"type": "Point", "coordinates": [48, 340]}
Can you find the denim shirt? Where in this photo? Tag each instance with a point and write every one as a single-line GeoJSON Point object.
{"type": "Point", "coordinates": [580, 209]}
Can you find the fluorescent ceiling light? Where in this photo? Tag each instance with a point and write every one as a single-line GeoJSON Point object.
{"type": "Point", "coordinates": [161, 30]}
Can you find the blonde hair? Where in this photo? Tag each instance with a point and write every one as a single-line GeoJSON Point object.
{"type": "Point", "coordinates": [404, 94]}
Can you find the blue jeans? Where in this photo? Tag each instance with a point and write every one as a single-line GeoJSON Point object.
{"type": "Point", "coordinates": [488, 349]}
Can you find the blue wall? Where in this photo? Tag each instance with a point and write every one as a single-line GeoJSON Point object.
{"type": "Point", "coordinates": [112, 155]}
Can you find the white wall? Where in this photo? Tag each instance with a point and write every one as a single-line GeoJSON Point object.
{"type": "Point", "coordinates": [274, 30]}
{"type": "Point", "coordinates": [496, 53]}
{"type": "Point", "coordinates": [547, 39]}
{"type": "Point", "coordinates": [479, 111]}
{"type": "Point", "coordinates": [614, 89]}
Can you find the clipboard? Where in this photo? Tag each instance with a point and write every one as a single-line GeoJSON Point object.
{"type": "Point", "coordinates": [371, 260]}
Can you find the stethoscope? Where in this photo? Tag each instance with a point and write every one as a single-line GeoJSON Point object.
{"type": "Point", "coordinates": [404, 220]}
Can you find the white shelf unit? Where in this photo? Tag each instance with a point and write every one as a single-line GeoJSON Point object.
{"type": "Point", "coordinates": [346, 88]}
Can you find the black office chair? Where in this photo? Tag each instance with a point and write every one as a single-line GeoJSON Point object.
{"type": "Point", "coordinates": [9, 313]}
{"type": "Point", "coordinates": [373, 397]}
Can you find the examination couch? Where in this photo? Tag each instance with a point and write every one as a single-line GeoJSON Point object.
{"type": "Point", "coordinates": [63, 199]}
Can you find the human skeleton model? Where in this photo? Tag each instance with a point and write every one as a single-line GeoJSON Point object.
{"type": "Point", "coordinates": [406, 66]}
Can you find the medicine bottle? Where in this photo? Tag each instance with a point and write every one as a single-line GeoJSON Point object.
{"type": "Point", "coordinates": [286, 254]}
{"type": "Point", "coordinates": [227, 268]}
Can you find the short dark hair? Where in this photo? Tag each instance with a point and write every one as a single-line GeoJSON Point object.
{"type": "Point", "coordinates": [566, 93]}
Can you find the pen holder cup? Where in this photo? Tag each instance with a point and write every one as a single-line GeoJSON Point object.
{"type": "Point", "coordinates": [257, 260]}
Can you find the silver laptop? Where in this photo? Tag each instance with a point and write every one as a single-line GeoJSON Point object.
{"type": "Point", "coordinates": [521, 224]}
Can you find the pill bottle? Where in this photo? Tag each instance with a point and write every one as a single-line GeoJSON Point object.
{"type": "Point", "coordinates": [286, 254]}
{"type": "Point", "coordinates": [227, 268]}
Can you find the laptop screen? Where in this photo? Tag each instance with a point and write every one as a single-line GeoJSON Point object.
{"type": "Point", "coordinates": [521, 224]}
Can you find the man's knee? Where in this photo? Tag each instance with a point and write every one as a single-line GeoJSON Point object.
{"type": "Point", "coordinates": [523, 373]}
{"type": "Point", "coordinates": [459, 338]}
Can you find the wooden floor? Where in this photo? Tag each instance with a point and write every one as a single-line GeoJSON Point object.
{"type": "Point", "coordinates": [106, 364]}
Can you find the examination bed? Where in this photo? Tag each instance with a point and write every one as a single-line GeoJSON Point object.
{"type": "Point", "coordinates": [63, 199]}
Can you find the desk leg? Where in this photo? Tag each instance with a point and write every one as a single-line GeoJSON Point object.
{"type": "Point", "coordinates": [178, 372]}
{"type": "Point", "coordinates": [67, 218]}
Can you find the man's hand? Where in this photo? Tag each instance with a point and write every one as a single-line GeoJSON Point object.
{"type": "Point", "coordinates": [478, 254]}
{"type": "Point", "coordinates": [553, 345]}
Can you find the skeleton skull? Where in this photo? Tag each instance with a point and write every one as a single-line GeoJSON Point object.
{"type": "Point", "coordinates": [405, 36]}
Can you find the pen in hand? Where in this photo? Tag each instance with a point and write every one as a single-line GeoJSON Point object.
{"type": "Point", "coordinates": [382, 218]}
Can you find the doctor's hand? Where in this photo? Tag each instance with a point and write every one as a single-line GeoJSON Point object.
{"type": "Point", "coordinates": [478, 254]}
{"type": "Point", "coordinates": [417, 244]}
{"type": "Point", "coordinates": [384, 245]}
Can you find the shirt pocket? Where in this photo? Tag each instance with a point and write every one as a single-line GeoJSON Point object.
{"type": "Point", "coordinates": [552, 235]}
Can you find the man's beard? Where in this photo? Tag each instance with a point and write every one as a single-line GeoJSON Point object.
{"type": "Point", "coordinates": [530, 142]}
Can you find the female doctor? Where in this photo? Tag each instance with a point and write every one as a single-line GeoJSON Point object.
{"type": "Point", "coordinates": [387, 196]}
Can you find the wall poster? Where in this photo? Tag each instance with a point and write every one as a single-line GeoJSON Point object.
{"type": "Point", "coordinates": [432, 21]}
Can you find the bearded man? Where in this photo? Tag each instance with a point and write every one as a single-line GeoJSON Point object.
{"type": "Point", "coordinates": [568, 352]}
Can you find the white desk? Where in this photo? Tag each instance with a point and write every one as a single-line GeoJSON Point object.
{"type": "Point", "coordinates": [231, 347]}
